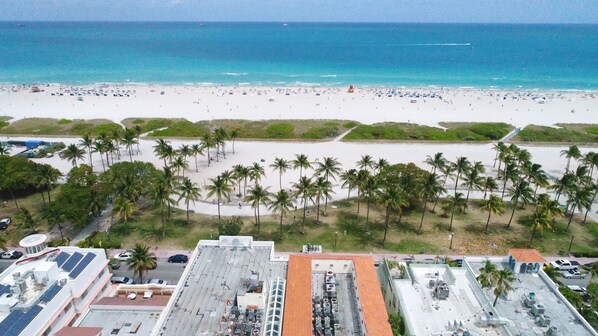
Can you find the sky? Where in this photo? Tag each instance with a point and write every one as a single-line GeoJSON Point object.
{"type": "Point", "coordinates": [450, 11]}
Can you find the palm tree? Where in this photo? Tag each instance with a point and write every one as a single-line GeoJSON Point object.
{"type": "Point", "coordinates": [3, 152]}
{"type": "Point", "coordinates": [349, 179]}
{"type": "Point", "coordinates": [189, 192]}
{"type": "Point", "coordinates": [447, 170]}
{"type": "Point", "coordinates": [473, 180]}
{"type": "Point", "coordinates": [511, 173]}
{"type": "Point", "coordinates": [392, 198]}
{"type": "Point", "coordinates": [137, 129]}
{"type": "Point", "coordinates": [281, 165]}
{"type": "Point", "coordinates": [129, 139]}
{"type": "Point", "coordinates": [98, 146]}
{"type": "Point", "coordinates": [185, 151]}
{"type": "Point", "coordinates": [540, 221]}
{"type": "Point", "coordinates": [163, 150]}
{"type": "Point", "coordinates": [234, 134]}
{"type": "Point", "coordinates": [258, 195]}
{"type": "Point", "coordinates": [495, 205]}
{"type": "Point", "coordinates": [321, 190]}
{"type": "Point", "coordinates": [141, 260]}
{"type": "Point", "coordinates": [436, 161]}
{"type": "Point", "coordinates": [256, 172]}
{"type": "Point", "coordinates": [218, 187]}
{"type": "Point", "coordinates": [179, 164]}
{"type": "Point", "coordinates": [95, 206]}
{"type": "Point", "coordinates": [304, 190]}
{"type": "Point", "coordinates": [47, 176]}
{"type": "Point", "coordinates": [562, 185]}
{"type": "Point", "coordinates": [54, 215]}
{"type": "Point", "coordinates": [301, 161]}
{"type": "Point", "coordinates": [116, 140]}
{"type": "Point", "coordinates": [281, 203]}
{"type": "Point", "coordinates": [503, 283]}
{"type": "Point", "coordinates": [380, 165]}
{"type": "Point", "coordinates": [572, 152]}
{"type": "Point", "coordinates": [366, 162]}
{"type": "Point", "coordinates": [537, 176]}
{"type": "Point", "coordinates": [161, 197]}
{"type": "Point", "coordinates": [207, 142]}
{"type": "Point", "coordinates": [368, 191]}
{"type": "Point", "coordinates": [362, 176]}
{"type": "Point", "coordinates": [462, 166]}
{"type": "Point", "coordinates": [498, 147]}
{"type": "Point", "coordinates": [453, 203]}
{"type": "Point", "coordinates": [519, 192]}
{"type": "Point", "coordinates": [594, 190]}
{"type": "Point", "coordinates": [593, 271]}
{"type": "Point", "coordinates": [124, 208]}
{"type": "Point", "coordinates": [430, 186]}
{"type": "Point", "coordinates": [220, 137]}
{"type": "Point", "coordinates": [579, 199]}
{"type": "Point", "coordinates": [87, 141]}
{"type": "Point", "coordinates": [489, 185]}
{"type": "Point", "coordinates": [195, 151]}
{"type": "Point", "coordinates": [72, 153]}
{"type": "Point", "coordinates": [487, 276]}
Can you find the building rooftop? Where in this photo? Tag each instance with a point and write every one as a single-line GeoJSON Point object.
{"type": "Point", "coordinates": [79, 331]}
{"type": "Point", "coordinates": [35, 286]}
{"type": "Point", "coordinates": [429, 314]}
{"type": "Point", "coordinates": [526, 255]}
{"type": "Point", "coordinates": [520, 318]}
{"type": "Point", "coordinates": [217, 277]}
{"type": "Point", "coordinates": [120, 322]}
{"type": "Point", "coordinates": [356, 292]}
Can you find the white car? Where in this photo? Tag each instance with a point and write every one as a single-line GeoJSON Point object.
{"type": "Point", "coordinates": [4, 223]}
{"type": "Point", "coordinates": [157, 282]}
{"type": "Point", "coordinates": [124, 256]}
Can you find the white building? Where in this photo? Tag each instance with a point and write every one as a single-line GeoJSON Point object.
{"type": "Point", "coordinates": [47, 287]}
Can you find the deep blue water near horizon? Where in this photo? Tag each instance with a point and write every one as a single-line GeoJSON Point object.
{"type": "Point", "coordinates": [328, 54]}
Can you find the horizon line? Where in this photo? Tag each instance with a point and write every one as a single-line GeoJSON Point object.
{"type": "Point", "coordinates": [306, 22]}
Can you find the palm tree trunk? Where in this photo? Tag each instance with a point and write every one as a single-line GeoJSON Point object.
{"type": "Point", "coordinates": [512, 214]}
{"type": "Point", "coordinates": [208, 151]}
{"type": "Point", "coordinates": [90, 159]}
{"type": "Point", "coordinates": [495, 300]}
{"type": "Point", "coordinates": [300, 171]}
{"type": "Point", "coordinates": [13, 198]}
{"type": "Point", "coordinates": [280, 223]}
{"type": "Point", "coordinates": [456, 183]}
{"type": "Point", "coordinates": [245, 186]}
{"type": "Point", "coordinates": [60, 230]}
{"type": "Point", "coordinates": [318, 212]}
{"type": "Point", "coordinates": [467, 198]}
{"type": "Point", "coordinates": [49, 188]}
{"type": "Point", "coordinates": [258, 221]}
{"type": "Point", "coordinates": [196, 168]}
{"type": "Point", "coordinates": [532, 239]}
{"type": "Point", "coordinates": [303, 223]}
{"type": "Point", "coordinates": [504, 187]}
{"type": "Point", "coordinates": [102, 158]}
{"type": "Point", "coordinates": [43, 197]}
{"type": "Point", "coordinates": [233, 146]}
{"type": "Point", "coordinates": [349, 194]}
{"type": "Point", "coordinates": [387, 219]}
{"type": "Point", "coordinates": [358, 198]}
{"type": "Point", "coordinates": [570, 218]}
{"type": "Point", "coordinates": [452, 215]}
{"type": "Point", "coordinates": [588, 209]}
{"type": "Point", "coordinates": [280, 180]}
{"type": "Point", "coordinates": [188, 221]}
{"type": "Point", "coordinates": [219, 208]}
{"type": "Point", "coordinates": [367, 214]}
{"type": "Point", "coordinates": [488, 221]}
{"type": "Point", "coordinates": [421, 223]}
{"type": "Point", "coordinates": [130, 154]}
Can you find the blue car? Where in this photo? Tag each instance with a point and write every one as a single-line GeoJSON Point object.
{"type": "Point", "coordinates": [178, 258]}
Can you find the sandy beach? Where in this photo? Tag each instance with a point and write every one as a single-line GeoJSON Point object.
{"type": "Point", "coordinates": [366, 105]}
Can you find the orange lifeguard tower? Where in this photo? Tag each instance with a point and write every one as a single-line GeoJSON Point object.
{"type": "Point", "coordinates": [351, 88]}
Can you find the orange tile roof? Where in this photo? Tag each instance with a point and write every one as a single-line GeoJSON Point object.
{"type": "Point", "coordinates": [297, 309]}
{"type": "Point", "coordinates": [526, 255]}
{"type": "Point", "coordinates": [79, 331]}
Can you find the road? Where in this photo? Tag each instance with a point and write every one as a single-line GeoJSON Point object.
{"type": "Point", "coordinates": [166, 271]}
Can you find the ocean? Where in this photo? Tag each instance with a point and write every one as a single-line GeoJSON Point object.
{"type": "Point", "coordinates": [326, 54]}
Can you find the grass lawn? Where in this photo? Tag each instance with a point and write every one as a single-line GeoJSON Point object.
{"type": "Point", "coordinates": [149, 124]}
{"type": "Point", "coordinates": [266, 129]}
{"type": "Point", "coordinates": [567, 133]}
{"type": "Point", "coordinates": [414, 132]}
{"type": "Point", "coordinates": [4, 121]}
{"type": "Point", "coordinates": [59, 127]}
{"type": "Point", "coordinates": [468, 228]}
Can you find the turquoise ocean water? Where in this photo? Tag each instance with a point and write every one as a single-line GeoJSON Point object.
{"type": "Point", "coordinates": [456, 55]}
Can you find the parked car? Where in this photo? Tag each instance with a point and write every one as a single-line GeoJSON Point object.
{"type": "Point", "coordinates": [121, 280]}
{"type": "Point", "coordinates": [4, 223]}
{"type": "Point", "coordinates": [156, 282]}
{"type": "Point", "coordinates": [114, 265]}
{"type": "Point", "coordinates": [577, 289]}
{"type": "Point", "coordinates": [12, 255]}
{"type": "Point", "coordinates": [564, 264]}
{"type": "Point", "coordinates": [178, 258]}
{"type": "Point", "coordinates": [572, 274]}
{"type": "Point", "coordinates": [124, 256]}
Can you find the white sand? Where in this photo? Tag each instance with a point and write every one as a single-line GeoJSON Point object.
{"type": "Point", "coordinates": [200, 103]}
{"type": "Point", "coordinates": [365, 105]}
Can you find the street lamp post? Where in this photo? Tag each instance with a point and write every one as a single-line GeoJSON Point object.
{"type": "Point", "coordinates": [211, 232]}
{"type": "Point", "coordinates": [335, 239]}
{"type": "Point", "coordinates": [451, 236]}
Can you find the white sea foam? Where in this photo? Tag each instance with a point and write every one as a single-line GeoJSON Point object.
{"type": "Point", "coordinates": [234, 74]}
{"type": "Point", "coordinates": [327, 76]}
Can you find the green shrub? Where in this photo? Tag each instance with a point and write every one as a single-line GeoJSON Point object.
{"type": "Point", "coordinates": [138, 121]}
{"type": "Point", "coordinates": [230, 226]}
{"type": "Point", "coordinates": [280, 130]}
{"type": "Point", "coordinates": [350, 124]}
{"type": "Point", "coordinates": [453, 132]}
{"type": "Point", "coordinates": [549, 134]}
{"type": "Point", "coordinates": [64, 121]}
{"type": "Point", "coordinates": [58, 243]}
{"type": "Point", "coordinates": [321, 132]}
{"type": "Point", "coordinates": [3, 124]}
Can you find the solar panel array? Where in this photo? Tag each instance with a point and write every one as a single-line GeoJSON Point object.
{"type": "Point", "coordinates": [50, 293]}
{"type": "Point", "coordinates": [17, 321]}
{"type": "Point", "coordinates": [61, 258]}
{"type": "Point", "coordinates": [73, 260]}
{"type": "Point", "coordinates": [4, 289]}
{"type": "Point", "coordinates": [81, 266]}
